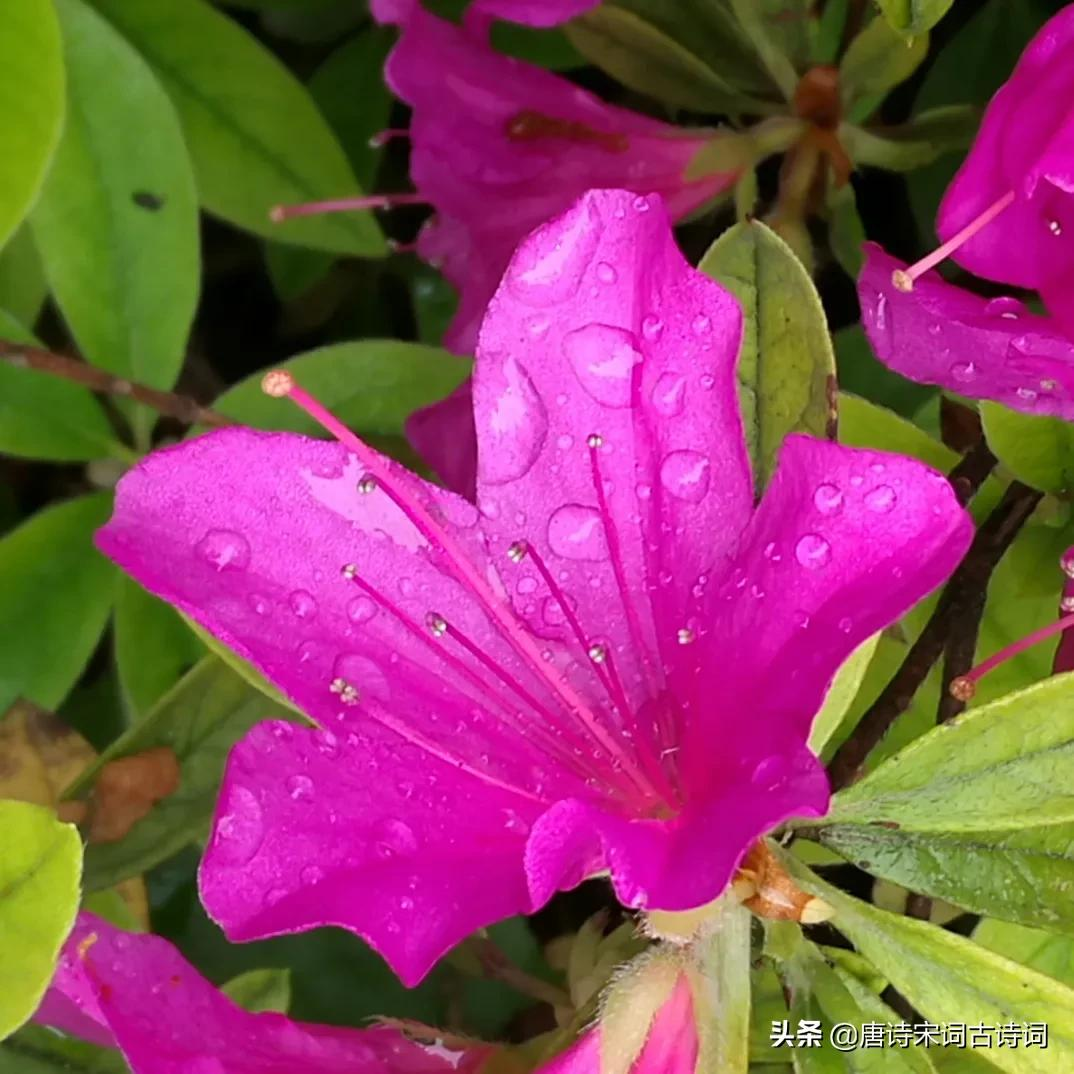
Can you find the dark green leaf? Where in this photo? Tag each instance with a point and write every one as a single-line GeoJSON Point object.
{"type": "Point", "coordinates": [124, 271]}
{"type": "Point", "coordinates": [39, 871]}
{"type": "Point", "coordinates": [22, 279]}
{"type": "Point", "coordinates": [255, 135]}
{"type": "Point", "coordinates": [200, 719]}
{"type": "Point", "coordinates": [861, 374]}
{"type": "Point", "coordinates": [877, 60]}
{"type": "Point", "coordinates": [31, 102]}
{"type": "Point", "coordinates": [1037, 450]}
{"type": "Point", "coordinates": [372, 385]}
{"type": "Point", "coordinates": [912, 145]}
{"type": "Point", "coordinates": [56, 592]}
{"type": "Point", "coordinates": [36, 1050]}
{"type": "Point", "coordinates": [786, 370]}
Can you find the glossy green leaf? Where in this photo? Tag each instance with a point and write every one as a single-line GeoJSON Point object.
{"type": "Point", "coordinates": [1022, 876]}
{"type": "Point", "coordinates": [878, 60]}
{"type": "Point", "coordinates": [841, 694]}
{"type": "Point", "coordinates": [1040, 950]}
{"type": "Point", "coordinates": [56, 592]}
{"type": "Point", "coordinates": [786, 370]}
{"type": "Point", "coordinates": [998, 767]}
{"type": "Point", "coordinates": [913, 17]}
{"type": "Point", "coordinates": [880, 389]}
{"type": "Point", "coordinates": [31, 102]}
{"type": "Point", "coordinates": [37, 1050]}
{"type": "Point", "coordinates": [154, 646]}
{"type": "Point", "coordinates": [117, 223]}
{"type": "Point", "coordinates": [256, 137]}
{"type": "Point", "coordinates": [43, 417]}
{"type": "Point", "coordinates": [373, 386]}
{"type": "Point", "coordinates": [200, 719]}
{"type": "Point", "coordinates": [948, 978]}
{"type": "Point", "coordinates": [1037, 450]}
{"type": "Point", "coordinates": [643, 55]}
{"type": "Point", "coordinates": [23, 287]}
{"type": "Point", "coordinates": [258, 991]}
{"type": "Point", "coordinates": [39, 875]}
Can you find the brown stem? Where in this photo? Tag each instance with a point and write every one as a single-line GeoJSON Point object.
{"type": "Point", "coordinates": [179, 407]}
{"type": "Point", "coordinates": [919, 906]}
{"type": "Point", "coordinates": [498, 967]}
{"type": "Point", "coordinates": [992, 541]}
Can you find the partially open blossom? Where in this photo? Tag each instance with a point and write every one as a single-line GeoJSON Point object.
{"type": "Point", "coordinates": [500, 146]}
{"type": "Point", "coordinates": [137, 993]}
{"type": "Point", "coordinates": [1024, 152]}
{"type": "Point", "coordinates": [610, 664]}
{"type": "Point", "coordinates": [937, 333]}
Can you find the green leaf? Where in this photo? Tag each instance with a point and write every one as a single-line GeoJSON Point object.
{"type": "Point", "coordinates": [373, 386]}
{"type": "Point", "coordinates": [255, 135]}
{"type": "Point", "coordinates": [43, 417]}
{"type": "Point", "coordinates": [1043, 951]}
{"type": "Point", "coordinates": [884, 394]}
{"type": "Point", "coordinates": [841, 694]}
{"type": "Point", "coordinates": [644, 56]}
{"type": "Point", "coordinates": [37, 1050]}
{"type": "Point", "coordinates": [154, 646]}
{"type": "Point", "coordinates": [951, 979]}
{"type": "Point", "coordinates": [200, 719]}
{"type": "Point", "coordinates": [258, 991]}
{"type": "Point", "coordinates": [757, 23]}
{"type": "Point", "coordinates": [117, 223]}
{"type": "Point", "coordinates": [23, 287]}
{"type": "Point", "coordinates": [31, 102]}
{"type": "Point", "coordinates": [865, 424]}
{"type": "Point", "coordinates": [786, 370]}
{"type": "Point", "coordinates": [926, 138]}
{"type": "Point", "coordinates": [999, 767]}
{"type": "Point", "coordinates": [878, 60]}
{"type": "Point", "coordinates": [1037, 450]}
{"type": "Point", "coordinates": [846, 232]}
{"type": "Point", "coordinates": [1022, 876]}
{"type": "Point", "coordinates": [39, 874]}
{"type": "Point", "coordinates": [56, 592]}
{"type": "Point", "coordinates": [912, 17]}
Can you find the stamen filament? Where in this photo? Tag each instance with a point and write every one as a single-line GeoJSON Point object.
{"type": "Point", "coordinates": [279, 213]}
{"type": "Point", "coordinates": [382, 138]}
{"type": "Point", "coordinates": [965, 686]}
{"type": "Point", "coordinates": [279, 383]}
{"type": "Point", "coordinates": [903, 279]}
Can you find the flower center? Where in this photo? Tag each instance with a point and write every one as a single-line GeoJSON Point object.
{"type": "Point", "coordinates": [632, 767]}
{"type": "Point", "coordinates": [531, 126]}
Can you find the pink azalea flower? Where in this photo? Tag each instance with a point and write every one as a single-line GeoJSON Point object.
{"type": "Point", "coordinates": [610, 665]}
{"type": "Point", "coordinates": [537, 13]}
{"type": "Point", "coordinates": [1023, 160]}
{"type": "Point", "coordinates": [137, 993]}
{"type": "Point", "coordinates": [670, 1048]}
{"type": "Point", "coordinates": [500, 146]}
{"type": "Point", "coordinates": [937, 333]}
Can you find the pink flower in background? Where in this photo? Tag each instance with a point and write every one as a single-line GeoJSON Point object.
{"type": "Point", "coordinates": [537, 13]}
{"type": "Point", "coordinates": [500, 146]}
{"type": "Point", "coordinates": [136, 992]}
{"type": "Point", "coordinates": [611, 664]}
{"type": "Point", "coordinates": [982, 348]}
{"type": "Point", "coordinates": [1023, 158]}
{"type": "Point", "coordinates": [671, 1046]}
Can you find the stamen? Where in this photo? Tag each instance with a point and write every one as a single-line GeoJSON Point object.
{"type": "Point", "coordinates": [367, 485]}
{"type": "Point", "coordinates": [597, 653]}
{"type": "Point", "coordinates": [437, 624]}
{"type": "Point", "coordinates": [347, 693]}
{"type": "Point", "coordinates": [903, 279]}
{"type": "Point", "coordinates": [501, 613]}
{"type": "Point", "coordinates": [279, 213]}
{"type": "Point", "coordinates": [382, 138]}
{"type": "Point", "coordinates": [965, 686]}
{"type": "Point", "coordinates": [517, 552]}
{"type": "Point", "coordinates": [398, 247]}
{"type": "Point", "coordinates": [685, 636]}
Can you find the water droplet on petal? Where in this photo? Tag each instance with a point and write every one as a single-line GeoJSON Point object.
{"type": "Point", "coordinates": [549, 266]}
{"type": "Point", "coordinates": [225, 550]}
{"type": "Point", "coordinates": [361, 610]}
{"type": "Point", "coordinates": [603, 359]}
{"type": "Point", "coordinates": [1055, 227]}
{"type": "Point", "coordinates": [392, 837]}
{"type": "Point", "coordinates": [1006, 307]}
{"type": "Point", "coordinates": [311, 874]}
{"type": "Point", "coordinates": [302, 604]}
{"type": "Point", "coordinates": [813, 551]}
{"type": "Point", "coordinates": [1027, 395]}
{"type": "Point", "coordinates": [827, 499]}
{"type": "Point", "coordinates": [963, 371]}
{"type": "Point", "coordinates": [686, 475]}
{"type": "Point", "coordinates": [652, 327]}
{"type": "Point", "coordinates": [361, 673]}
{"type": "Point", "coordinates": [881, 499]}
{"type": "Point", "coordinates": [606, 273]}
{"type": "Point", "coordinates": [514, 422]}
{"type": "Point", "coordinates": [240, 830]}
{"type": "Point", "coordinates": [577, 532]}
{"type": "Point", "coordinates": [770, 773]}
{"type": "Point", "coordinates": [669, 394]}
{"type": "Point", "coordinates": [300, 787]}
{"type": "Point", "coordinates": [846, 624]}
{"type": "Point", "coordinates": [701, 325]}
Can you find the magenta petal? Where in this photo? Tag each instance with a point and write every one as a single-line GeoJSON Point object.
{"type": "Point", "coordinates": [316, 830]}
{"type": "Point", "coordinates": [540, 13]}
{"type": "Point", "coordinates": [1025, 145]}
{"type": "Point", "coordinates": [167, 1019]}
{"type": "Point", "coordinates": [982, 348]}
{"type": "Point", "coordinates": [443, 435]}
{"type": "Point", "coordinates": [501, 146]}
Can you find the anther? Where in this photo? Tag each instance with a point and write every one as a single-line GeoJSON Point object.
{"type": "Point", "coordinates": [349, 571]}
{"type": "Point", "coordinates": [598, 654]}
{"type": "Point", "coordinates": [367, 485]}
{"type": "Point", "coordinates": [1055, 227]}
{"type": "Point", "coordinates": [347, 693]}
{"type": "Point", "coordinates": [1067, 604]}
{"type": "Point", "coordinates": [437, 624]}
{"type": "Point", "coordinates": [962, 689]}
{"type": "Point", "coordinates": [518, 551]}
{"type": "Point", "coordinates": [901, 280]}
{"type": "Point", "coordinates": [277, 383]}
{"type": "Point", "coordinates": [685, 636]}
{"type": "Point", "coordinates": [595, 440]}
